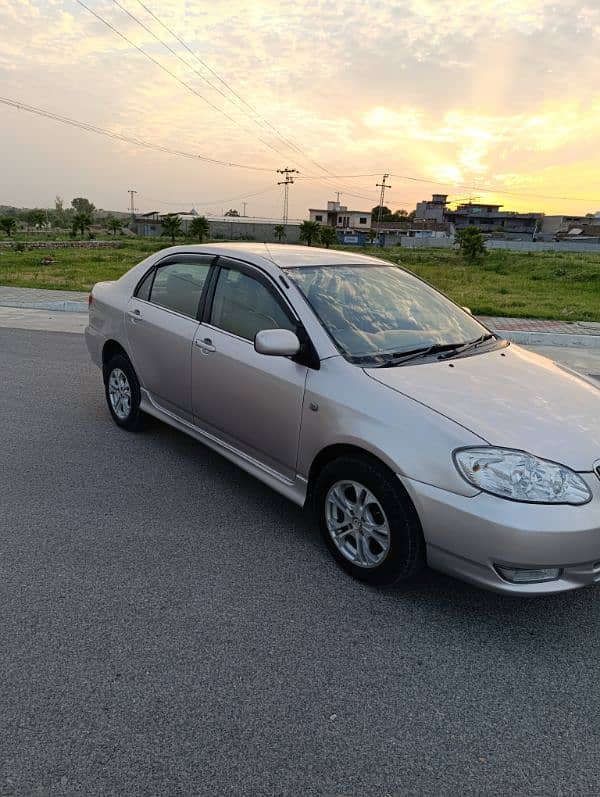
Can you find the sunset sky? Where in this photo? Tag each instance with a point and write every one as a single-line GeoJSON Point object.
{"type": "Point", "coordinates": [498, 99]}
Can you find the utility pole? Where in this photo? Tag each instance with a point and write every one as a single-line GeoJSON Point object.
{"type": "Point", "coordinates": [289, 180]}
{"type": "Point", "coordinates": [384, 188]}
{"type": "Point", "coordinates": [244, 204]}
{"type": "Point", "coordinates": [132, 208]}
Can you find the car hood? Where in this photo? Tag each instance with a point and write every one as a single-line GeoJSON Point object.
{"type": "Point", "coordinates": [509, 397]}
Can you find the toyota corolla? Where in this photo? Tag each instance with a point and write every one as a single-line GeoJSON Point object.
{"type": "Point", "coordinates": [348, 384]}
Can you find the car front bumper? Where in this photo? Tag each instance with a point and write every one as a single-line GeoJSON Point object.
{"type": "Point", "coordinates": [468, 536]}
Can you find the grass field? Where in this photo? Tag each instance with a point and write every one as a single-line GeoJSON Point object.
{"type": "Point", "coordinates": [541, 285]}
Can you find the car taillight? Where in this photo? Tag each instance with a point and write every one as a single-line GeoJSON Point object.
{"type": "Point", "coordinates": [90, 300]}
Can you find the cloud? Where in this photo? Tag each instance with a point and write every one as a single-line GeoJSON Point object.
{"type": "Point", "coordinates": [453, 90]}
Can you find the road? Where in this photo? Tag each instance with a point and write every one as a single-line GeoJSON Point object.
{"type": "Point", "coordinates": [172, 627]}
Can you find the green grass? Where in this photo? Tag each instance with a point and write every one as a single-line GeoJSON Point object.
{"type": "Point", "coordinates": [542, 285]}
{"type": "Point", "coordinates": [561, 285]}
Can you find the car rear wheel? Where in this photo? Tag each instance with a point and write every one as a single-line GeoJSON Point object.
{"type": "Point", "coordinates": [123, 393]}
{"type": "Point", "coordinates": [368, 521]}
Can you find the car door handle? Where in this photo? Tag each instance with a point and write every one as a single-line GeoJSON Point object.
{"type": "Point", "coordinates": [135, 315]}
{"type": "Point", "coordinates": [206, 345]}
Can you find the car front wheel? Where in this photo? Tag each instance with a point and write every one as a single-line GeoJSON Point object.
{"type": "Point", "coordinates": [123, 393]}
{"type": "Point", "coordinates": [368, 521]}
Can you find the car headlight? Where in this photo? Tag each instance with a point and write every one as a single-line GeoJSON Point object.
{"type": "Point", "coordinates": [520, 476]}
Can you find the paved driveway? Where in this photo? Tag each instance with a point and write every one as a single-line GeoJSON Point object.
{"type": "Point", "coordinates": [170, 626]}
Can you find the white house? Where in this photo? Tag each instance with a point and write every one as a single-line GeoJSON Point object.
{"type": "Point", "coordinates": [339, 216]}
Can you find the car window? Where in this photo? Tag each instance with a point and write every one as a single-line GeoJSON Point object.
{"type": "Point", "coordinates": [178, 287]}
{"type": "Point", "coordinates": [143, 291]}
{"type": "Point", "coordinates": [244, 306]}
{"type": "Point", "coordinates": [374, 311]}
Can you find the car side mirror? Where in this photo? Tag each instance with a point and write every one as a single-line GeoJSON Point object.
{"type": "Point", "coordinates": [276, 342]}
{"type": "Point", "coordinates": [467, 310]}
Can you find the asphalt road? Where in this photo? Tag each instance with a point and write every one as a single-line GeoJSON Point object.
{"type": "Point", "coordinates": [172, 627]}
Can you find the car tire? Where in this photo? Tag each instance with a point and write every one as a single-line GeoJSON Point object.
{"type": "Point", "coordinates": [122, 391]}
{"type": "Point", "coordinates": [381, 544]}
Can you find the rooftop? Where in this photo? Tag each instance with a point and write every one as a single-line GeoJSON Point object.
{"type": "Point", "coordinates": [282, 255]}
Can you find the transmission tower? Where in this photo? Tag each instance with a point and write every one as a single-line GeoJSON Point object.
{"type": "Point", "coordinates": [384, 188]}
{"type": "Point", "coordinates": [286, 182]}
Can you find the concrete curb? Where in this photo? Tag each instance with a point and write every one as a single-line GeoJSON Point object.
{"type": "Point", "coordinates": [65, 307]}
{"type": "Point", "coordinates": [549, 338]}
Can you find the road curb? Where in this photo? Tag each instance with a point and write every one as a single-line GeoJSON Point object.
{"type": "Point", "coordinates": [64, 307]}
{"type": "Point", "coordinates": [549, 338]}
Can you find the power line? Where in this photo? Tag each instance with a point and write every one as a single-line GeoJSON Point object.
{"type": "Point", "coordinates": [241, 99]}
{"type": "Point", "coordinates": [218, 77]}
{"type": "Point", "coordinates": [286, 182]}
{"type": "Point", "coordinates": [184, 202]}
{"type": "Point", "coordinates": [132, 193]}
{"type": "Point", "coordinates": [142, 143]}
{"type": "Point", "coordinates": [174, 76]}
{"type": "Point", "coordinates": [384, 188]}
{"type": "Point", "coordinates": [138, 142]}
{"type": "Point", "coordinates": [165, 44]}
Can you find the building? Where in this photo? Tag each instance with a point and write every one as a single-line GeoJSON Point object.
{"type": "Point", "coordinates": [432, 210]}
{"type": "Point", "coordinates": [556, 227]}
{"type": "Point", "coordinates": [340, 217]}
{"type": "Point", "coordinates": [392, 233]}
{"type": "Point", "coordinates": [488, 217]}
{"type": "Point", "coordinates": [225, 228]}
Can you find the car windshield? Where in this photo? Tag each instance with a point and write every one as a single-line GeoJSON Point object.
{"type": "Point", "coordinates": [376, 313]}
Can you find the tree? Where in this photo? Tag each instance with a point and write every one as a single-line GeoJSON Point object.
{"type": "Point", "coordinates": [82, 205]}
{"type": "Point", "coordinates": [328, 236]}
{"type": "Point", "coordinates": [199, 228]}
{"type": "Point", "coordinates": [36, 217]}
{"type": "Point", "coordinates": [471, 243]}
{"type": "Point", "coordinates": [8, 225]}
{"type": "Point", "coordinates": [232, 212]}
{"type": "Point", "coordinates": [171, 226]}
{"type": "Point", "coordinates": [385, 215]}
{"type": "Point", "coordinates": [81, 223]}
{"type": "Point", "coordinates": [279, 232]}
{"type": "Point", "coordinates": [310, 231]}
{"type": "Point", "coordinates": [113, 224]}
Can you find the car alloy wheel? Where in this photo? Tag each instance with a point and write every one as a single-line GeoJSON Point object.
{"type": "Point", "coordinates": [119, 391]}
{"type": "Point", "coordinates": [357, 524]}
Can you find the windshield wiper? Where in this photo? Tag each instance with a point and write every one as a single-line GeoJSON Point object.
{"type": "Point", "coordinates": [471, 344]}
{"type": "Point", "coordinates": [401, 357]}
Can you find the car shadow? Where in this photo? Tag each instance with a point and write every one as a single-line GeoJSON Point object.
{"type": "Point", "coordinates": [434, 594]}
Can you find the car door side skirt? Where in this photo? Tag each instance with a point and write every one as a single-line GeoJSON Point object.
{"type": "Point", "coordinates": [295, 490]}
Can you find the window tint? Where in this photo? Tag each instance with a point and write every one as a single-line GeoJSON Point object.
{"type": "Point", "coordinates": [243, 305]}
{"type": "Point", "coordinates": [178, 287]}
{"type": "Point", "coordinates": [143, 292]}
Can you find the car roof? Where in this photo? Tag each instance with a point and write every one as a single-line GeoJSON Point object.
{"type": "Point", "coordinates": [284, 255]}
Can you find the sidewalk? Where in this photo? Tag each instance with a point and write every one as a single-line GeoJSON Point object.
{"type": "Point", "coordinates": [38, 299]}
{"type": "Point", "coordinates": [541, 332]}
{"type": "Point", "coordinates": [528, 331]}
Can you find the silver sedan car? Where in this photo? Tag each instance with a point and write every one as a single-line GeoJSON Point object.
{"type": "Point", "coordinates": [348, 384]}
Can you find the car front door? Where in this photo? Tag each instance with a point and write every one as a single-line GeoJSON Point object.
{"type": "Point", "coordinates": [249, 400]}
{"type": "Point", "coordinates": [162, 320]}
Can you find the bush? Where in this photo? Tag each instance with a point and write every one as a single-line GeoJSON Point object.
{"type": "Point", "coordinates": [471, 244]}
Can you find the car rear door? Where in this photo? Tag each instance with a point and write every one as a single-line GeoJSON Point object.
{"type": "Point", "coordinates": [162, 320]}
{"type": "Point", "coordinates": [250, 401]}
